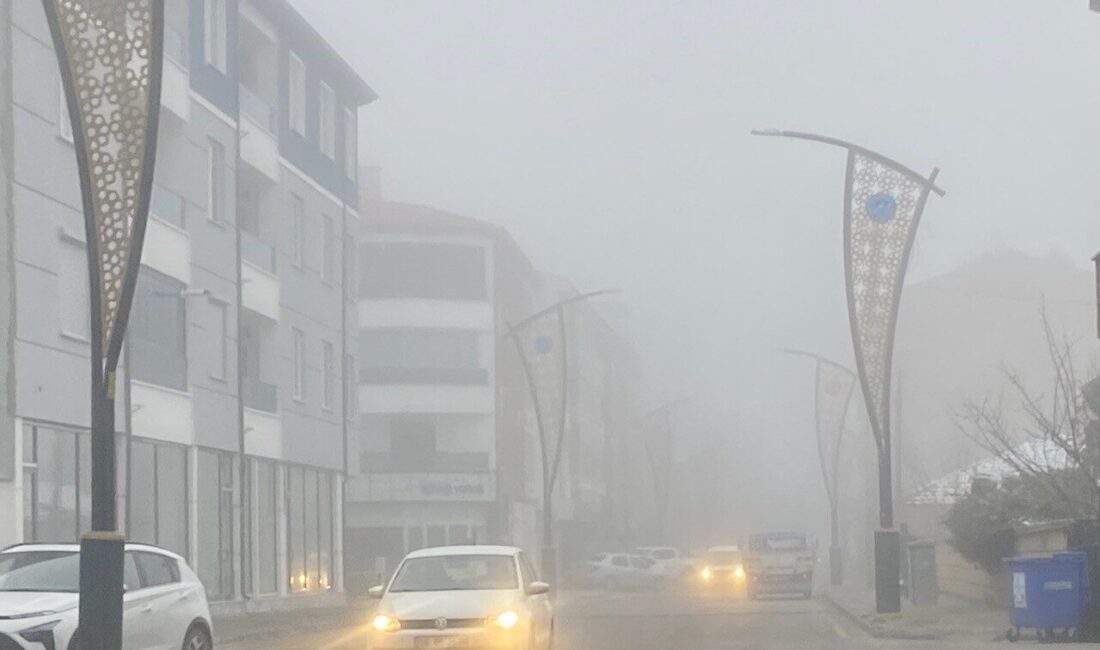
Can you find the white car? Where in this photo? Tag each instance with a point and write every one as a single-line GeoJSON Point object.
{"type": "Point", "coordinates": [620, 571]}
{"type": "Point", "coordinates": [164, 606]}
{"type": "Point", "coordinates": [672, 565]}
{"type": "Point", "coordinates": [463, 597]}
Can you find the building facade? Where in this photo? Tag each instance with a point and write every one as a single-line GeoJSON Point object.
{"type": "Point", "coordinates": [232, 417]}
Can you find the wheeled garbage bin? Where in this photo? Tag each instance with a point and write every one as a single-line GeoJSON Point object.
{"type": "Point", "coordinates": [1049, 593]}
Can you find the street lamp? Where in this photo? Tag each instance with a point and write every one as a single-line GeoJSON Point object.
{"type": "Point", "coordinates": [833, 388]}
{"type": "Point", "coordinates": [548, 378]}
{"type": "Point", "coordinates": [883, 203]}
{"type": "Point", "coordinates": [110, 56]}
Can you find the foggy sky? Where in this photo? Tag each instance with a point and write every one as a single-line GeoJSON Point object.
{"type": "Point", "coordinates": [612, 139]}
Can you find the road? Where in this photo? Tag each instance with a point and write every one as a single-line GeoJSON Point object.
{"type": "Point", "coordinates": [614, 621]}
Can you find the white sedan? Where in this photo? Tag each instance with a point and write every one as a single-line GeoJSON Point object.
{"type": "Point", "coordinates": [164, 606]}
{"type": "Point", "coordinates": [463, 597]}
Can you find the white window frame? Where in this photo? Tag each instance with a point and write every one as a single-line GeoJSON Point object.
{"type": "Point", "coordinates": [221, 311]}
{"type": "Point", "coordinates": [298, 355]}
{"type": "Point", "coordinates": [351, 143]}
{"type": "Point", "coordinates": [81, 299]}
{"type": "Point", "coordinates": [298, 230]}
{"type": "Point", "coordinates": [296, 94]}
{"type": "Point", "coordinates": [326, 104]}
{"type": "Point", "coordinates": [328, 396]}
{"type": "Point", "coordinates": [64, 122]}
{"type": "Point", "coordinates": [215, 205]}
{"type": "Point", "coordinates": [216, 34]}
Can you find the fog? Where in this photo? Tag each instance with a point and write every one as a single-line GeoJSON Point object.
{"type": "Point", "coordinates": [612, 140]}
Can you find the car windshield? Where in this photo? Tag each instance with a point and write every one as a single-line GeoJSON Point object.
{"type": "Point", "coordinates": [723, 558]}
{"type": "Point", "coordinates": [49, 571]}
{"type": "Point", "coordinates": [456, 573]}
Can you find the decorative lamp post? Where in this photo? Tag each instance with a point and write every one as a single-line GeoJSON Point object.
{"type": "Point", "coordinates": [542, 343]}
{"type": "Point", "coordinates": [833, 388]}
{"type": "Point", "coordinates": [110, 55]}
{"type": "Point", "coordinates": [883, 203]}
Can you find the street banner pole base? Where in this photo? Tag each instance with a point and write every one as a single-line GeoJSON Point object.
{"type": "Point", "coordinates": [836, 566]}
{"type": "Point", "coordinates": [887, 571]}
{"type": "Point", "coordinates": [101, 589]}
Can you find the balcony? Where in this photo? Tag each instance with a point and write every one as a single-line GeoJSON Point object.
{"type": "Point", "coordinates": [449, 487]}
{"type": "Point", "coordinates": [441, 376]}
{"type": "Point", "coordinates": [260, 395]}
{"type": "Point", "coordinates": [157, 364]}
{"type": "Point", "coordinates": [175, 94]}
{"type": "Point", "coordinates": [438, 463]}
{"type": "Point", "coordinates": [259, 146]}
{"type": "Point", "coordinates": [257, 252]}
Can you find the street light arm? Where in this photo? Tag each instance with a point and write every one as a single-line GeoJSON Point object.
{"type": "Point", "coordinates": [514, 329]}
{"type": "Point", "coordinates": [818, 357]}
{"type": "Point", "coordinates": [802, 135]}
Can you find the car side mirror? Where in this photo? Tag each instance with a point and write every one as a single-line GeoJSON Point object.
{"type": "Point", "coordinates": [375, 592]}
{"type": "Point", "coordinates": [537, 589]}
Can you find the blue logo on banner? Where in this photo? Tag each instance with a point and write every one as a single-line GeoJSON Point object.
{"type": "Point", "coordinates": [544, 344]}
{"type": "Point", "coordinates": [881, 207]}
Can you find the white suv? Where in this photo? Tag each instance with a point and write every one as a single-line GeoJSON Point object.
{"type": "Point", "coordinates": [164, 606]}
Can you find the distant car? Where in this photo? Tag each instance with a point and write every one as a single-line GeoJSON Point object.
{"type": "Point", "coordinates": [672, 565]}
{"type": "Point", "coordinates": [463, 597]}
{"type": "Point", "coordinates": [780, 563]}
{"type": "Point", "coordinates": [723, 569]}
{"type": "Point", "coordinates": [619, 572]}
{"type": "Point", "coordinates": [164, 604]}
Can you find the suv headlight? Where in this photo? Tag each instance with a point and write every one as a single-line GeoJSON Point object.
{"type": "Point", "coordinates": [383, 623]}
{"type": "Point", "coordinates": [42, 634]}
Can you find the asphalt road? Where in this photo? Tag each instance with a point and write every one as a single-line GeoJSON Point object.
{"type": "Point", "coordinates": [645, 621]}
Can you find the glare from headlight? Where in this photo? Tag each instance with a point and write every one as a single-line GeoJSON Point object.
{"type": "Point", "coordinates": [383, 623]}
{"type": "Point", "coordinates": [506, 620]}
{"type": "Point", "coordinates": [706, 573]}
{"type": "Point", "coordinates": [739, 572]}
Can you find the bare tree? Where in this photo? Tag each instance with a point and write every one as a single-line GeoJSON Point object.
{"type": "Point", "coordinates": [1044, 435]}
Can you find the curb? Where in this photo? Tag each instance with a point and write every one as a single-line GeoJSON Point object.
{"type": "Point", "coordinates": [309, 624]}
{"type": "Point", "coordinates": [879, 631]}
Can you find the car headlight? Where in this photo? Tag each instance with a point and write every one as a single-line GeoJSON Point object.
{"type": "Point", "coordinates": [739, 572]}
{"type": "Point", "coordinates": [706, 573]}
{"type": "Point", "coordinates": [505, 620]}
{"type": "Point", "coordinates": [42, 634]}
{"type": "Point", "coordinates": [383, 623]}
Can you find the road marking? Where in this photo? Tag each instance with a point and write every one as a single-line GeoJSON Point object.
{"type": "Point", "coordinates": [839, 631]}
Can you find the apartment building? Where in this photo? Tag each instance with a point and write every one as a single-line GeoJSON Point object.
{"type": "Point", "coordinates": [438, 391]}
{"type": "Point", "coordinates": [232, 418]}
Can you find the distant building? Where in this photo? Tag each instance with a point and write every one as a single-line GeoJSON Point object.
{"type": "Point", "coordinates": [232, 419]}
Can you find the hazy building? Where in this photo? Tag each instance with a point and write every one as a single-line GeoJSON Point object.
{"type": "Point", "coordinates": [232, 419]}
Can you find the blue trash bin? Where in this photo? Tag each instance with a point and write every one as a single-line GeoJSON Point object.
{"type": "Point", "coordinates": [1049, 593]}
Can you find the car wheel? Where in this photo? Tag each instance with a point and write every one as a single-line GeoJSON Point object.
{"type": "Point", "coordinates": [197, 639]}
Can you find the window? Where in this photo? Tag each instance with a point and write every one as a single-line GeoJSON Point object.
{"type": "Point", "coordinates": [309, 529]}
{"type": "Point", "coordinates": [328, 250]}
{"type": "Point", "coordinates": [437, 536]}
{"type": "Point", "coordinates": [221, 332]}
{"type": "Point", "coordinates": [72, 291]}
{"type": "Point", "coordinates": [168, 206]}
{"type": "Point", "coordinates": [327, 110]}
{"type": "Point", "coordinates": [420, 355]}
{"type": "Point", "coordinates": [412, 443]}
{"type": "Point", "coordinates": [351, 383]}
{"type": "Point", "coordinates": [215, 41]}
{"type": "Point", "coordinates": [298, 230]}
{"type": "Point", "coordinates": [156, 570]}
{"type": "Point", "coordinates": [295, 534]}
{"type": "Point", "coordinates": [329, 397]}
{"type": "Point", "coordinates": [215, 490]}
{"type": "Point", "coordinates": [296, 90]}
{"type": "Point", "coordinates": [351, 143]}
{"type": "Point", "coordinates": [414, 538]}
{"type": "Point", "coordinates": [268, 527]}
{"type": "Point", "coordinates": [430, 271]}
{"type": "Point", "coordinates": [529, 573]}
{"type": "Point", "coordinates": [216, 175]}
{"type": "Point", "coordinates": [64, 122]}
{"type": "Point", "coordinates": [131, 579]}
{"type": "Point", "coordinates": [157, 332]}
{"type": "Point", "coordinates": [299, 343]}
{"type": "Point", "coordinates": [159, 472]}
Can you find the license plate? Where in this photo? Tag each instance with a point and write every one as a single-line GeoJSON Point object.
{"type": "Point", "coordinates": [439, 642]}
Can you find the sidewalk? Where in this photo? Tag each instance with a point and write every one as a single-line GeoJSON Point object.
{"type": "Point", "coordinates": [952, 618]}
{"type": "Point", "coordinates": [253, 626]}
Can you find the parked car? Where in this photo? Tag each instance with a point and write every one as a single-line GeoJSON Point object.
{"type": "Point", "coordinates": [619, 572]}
{"type": "Point", "coordinates": [164, 604]}
{"type": "Point", "coordinates": [671, 565]}
{"type": "Point", "coordinates": [463, 596]}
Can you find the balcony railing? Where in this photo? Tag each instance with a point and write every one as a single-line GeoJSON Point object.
{"type": "Point", "coordinates": [258, 252]}
{"type": "Point", "coordinates": [260, 395]}
{"type": "Point", "coordinates": [438, 463]}
{"type": "Point", "coordinates": [446, 376]}
{"type": "Point", "coordinates": [257, 108]}
{"type": "Point", "coordinates": [168, 206]}
{"type": "Point", "coordinates": [175, 45]}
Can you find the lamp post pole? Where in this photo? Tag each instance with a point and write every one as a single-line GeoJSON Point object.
{"type": "Point", "coordinates": [660, 465]}
{"type": "Point", "coordinates": [110, 58]}
{"type": "Point", "coordinates": [883, 203]}
{"type": "Point", "coordinates": [539, 369]}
